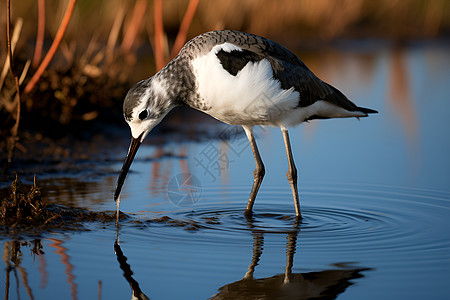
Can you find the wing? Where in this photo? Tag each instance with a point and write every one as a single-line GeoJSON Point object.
{"type": "Point", "coordinates": [286, 66]}
{"type": "Point", "coordinates": [236, 60]}
{"type": "Point", "coordinates": [292, 72]}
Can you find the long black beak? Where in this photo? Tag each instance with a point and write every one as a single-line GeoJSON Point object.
{"type": "Point", "coordinates": [134, 146]}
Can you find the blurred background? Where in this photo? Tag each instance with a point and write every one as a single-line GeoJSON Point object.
{"type": "Point", "coordinates": [107, 46]}
{"type": "Point", "coordinates": [105, 39]}
{"type": "Point", "coordinates": [284, 20]}
{"type": "Point", "coordinates": [374, 192]}
{"type": "Point", "coordinates": [75, 60]}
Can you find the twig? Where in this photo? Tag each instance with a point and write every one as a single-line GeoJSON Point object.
{"type": "Point", "coordinates": [24, 72]}
{"type": "Point", "coordinates": [51, 52]}
{"type": "Point", "coordinates": [184, 27]}
{"type": "Point", "coordinates": [68, 51]}
{"type": "Point", "coordinates": [135, 24]}
{"type": "Point", "coordinates": [159, 35]}
{"type": "Point", "coordinates": [15, 128]}
{"type": "Point", "coordinates": [84, 59]}
{"type": "Point", "coordinates": [40, 33]}
{"type": "Point", "coordinates": [114, 34]}
{"type": "Point", "coordinates": [14, 39]}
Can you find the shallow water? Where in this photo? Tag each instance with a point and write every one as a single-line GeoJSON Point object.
{"type": "Point", "coordinates": [375, 198]}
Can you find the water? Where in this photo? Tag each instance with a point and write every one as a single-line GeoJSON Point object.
{"type": "Point", "coordinates": [375, 198]}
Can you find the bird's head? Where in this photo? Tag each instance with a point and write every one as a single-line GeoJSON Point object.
{"type": "Point", "coordinates": [145, 105]}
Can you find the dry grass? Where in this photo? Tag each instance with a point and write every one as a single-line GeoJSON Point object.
{"type": "Point", "coordinates": [78, 83]}
{"type": "Point", "coordinates": [305, 18]}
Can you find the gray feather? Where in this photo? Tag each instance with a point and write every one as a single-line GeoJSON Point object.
{"type": "Point", "coordinates": [286, 66]}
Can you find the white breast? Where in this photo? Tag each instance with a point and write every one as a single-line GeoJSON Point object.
{"type": "Point", "coordinates": [252, 97]}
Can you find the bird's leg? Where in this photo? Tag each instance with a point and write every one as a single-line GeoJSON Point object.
{"type": "Point", "coordinates": [258, 243]}
{"type": "Point", "coordinates": [259, 172]}
{"type": "Point", "coordinates": [290, 251]}
{"type": "Point", "coordinates": [292, 172]}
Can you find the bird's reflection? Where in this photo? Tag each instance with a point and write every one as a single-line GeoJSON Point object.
{"type": "Point", "coordinates": [327, 284]}
{"type": "Point", "coordinates": [127, 273]}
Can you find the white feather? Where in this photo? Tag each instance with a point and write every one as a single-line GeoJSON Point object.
{"type": "Point", "coordinates": [159, 87]}
{"type": "Point", "coordinates": [227, 47]}
{"type": "Point", "coordinates": [252, 97]}
{"type": "Point", "coordinates": [319, 108]}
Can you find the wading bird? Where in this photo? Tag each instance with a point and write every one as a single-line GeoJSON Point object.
{"type": "Point", "coordinates": [240, 79]}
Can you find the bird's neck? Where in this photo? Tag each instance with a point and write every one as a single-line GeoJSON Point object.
{"type": "Point", "coordinates": [179, 81]}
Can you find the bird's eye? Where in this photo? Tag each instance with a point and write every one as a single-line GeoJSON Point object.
{"type": "Point", "coordinates": [143, 114]}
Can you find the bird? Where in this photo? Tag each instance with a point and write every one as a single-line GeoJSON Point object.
{"type": "Point", "coordinates": [240, 79]}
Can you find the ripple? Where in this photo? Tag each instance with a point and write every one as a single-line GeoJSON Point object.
{"type": "Point", "coordinates": [369, 218]}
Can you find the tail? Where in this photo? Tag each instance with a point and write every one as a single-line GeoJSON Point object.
{"type": "Point", "coordinates": [341, 100]}
{"type": "Point", "coordinates": [366, 110]}
{"type": "Point", "coordinates": [336, 105]}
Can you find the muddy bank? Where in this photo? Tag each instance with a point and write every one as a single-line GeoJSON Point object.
{"type": "Point", "coordinates": [24, 211]}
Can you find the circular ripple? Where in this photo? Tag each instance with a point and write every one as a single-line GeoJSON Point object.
{"type": "Point", "coordinates": [349, 217]}
{"type": "Point", "coordinates": [381, 217]}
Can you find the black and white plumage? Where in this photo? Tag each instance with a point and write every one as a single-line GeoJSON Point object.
{"type": "Point", "coordinates": [240, 79]}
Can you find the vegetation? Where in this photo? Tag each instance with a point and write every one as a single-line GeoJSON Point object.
{"type": "Point", "coordinates": [22, 209]}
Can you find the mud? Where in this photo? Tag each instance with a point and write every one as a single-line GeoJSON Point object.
{"type": "Point", "coordinates": [22, 210]}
